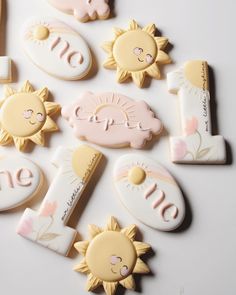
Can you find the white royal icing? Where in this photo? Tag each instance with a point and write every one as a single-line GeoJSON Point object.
{"type": "Point", "coordinates": [20, 179]}
{"type": "Point", "coordinates": [196, 144]}
{"type": "Point", "coordinates": [56, 48]}
{"type": "Point", "coordinates": [48, 225]}
{"type": "Point", "coordinates": [5, 69]}
{"type": "Point", "coordinates": [156, 200]}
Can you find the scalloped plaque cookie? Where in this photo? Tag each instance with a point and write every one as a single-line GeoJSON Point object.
{"type": "Point", "coordinates": [83, 10]}
{"type": "Point", "coordinates": [112, 120]}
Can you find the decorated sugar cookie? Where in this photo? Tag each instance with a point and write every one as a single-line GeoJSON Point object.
{"type": "Point", "coordinates": [111, 257]}
{"type": "Point", "coordinates": [5, 62]}
{"type": "Point", "coordinates": [136, 53]}
{"type": "Point", "coordinates": [20, 180]}
{"type": "Point", "coordinates": [112, 120]}
{"type": "Point", "coordinates": [56, 48]}
{"type": "Point", "coordinates": [196, 145]}
{"type": "Point", "coordinates": [83, 10]}
{"type": "Point", "coordinates": [47, 226]}
{"type": "Point", "coordinates": [25, 116]}
{"type": "Point", "coordinates": [149, 192]}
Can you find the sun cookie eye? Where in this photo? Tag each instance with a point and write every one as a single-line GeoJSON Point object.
{"type": "Point", "coordinates": [27, 113]}
{"type": "Point", "coordinates": [115, 259]}
{"type": "Point", "coordinates": [137, 50]}
{"type": "Point", "coordinates": [124, 271]}
{"type": "Point", "coordinates": [40, 117]}
{"type": "Point", "coordinates": [149, 58]}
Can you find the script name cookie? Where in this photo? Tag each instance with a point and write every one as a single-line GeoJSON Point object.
{"type": "Point", "coordinates": [112, 120]}
{"type": "Point", "coordinates": [196, 145]}
{"type": "Point", "coordinates": [56, 48]}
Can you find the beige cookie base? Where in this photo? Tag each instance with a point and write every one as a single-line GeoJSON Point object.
{"type": "Point", "coordinates": [93, 17]}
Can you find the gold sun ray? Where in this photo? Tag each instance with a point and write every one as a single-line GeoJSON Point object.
{"type": "Point", "coordinates": [136, 53]}
{"type": "Point", "coordinates": [111, 257]}
{"type": "Point", "coordinates": [25, 116]}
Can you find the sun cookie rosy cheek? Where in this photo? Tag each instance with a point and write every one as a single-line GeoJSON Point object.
{"type": "Point", "coordinates": [196, 145]}
{"type": "Point", "coordinates": [20, 180]}
{"type": "Point", "coordinates": [56, 48]}
{"type": "Point", "coordinates": [48, 225]}
{"type": "Point", "coordinates": [112, 120]}
{"type": "Point", "coordinates": [149, 192]}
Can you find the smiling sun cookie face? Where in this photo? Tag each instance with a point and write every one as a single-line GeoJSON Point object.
{"type": "Point", "coordinates": [136, 53]}
{"type": "Point", "coordinates": [25, 116]}
{"type": "Point", "coordinates": [111, 257]}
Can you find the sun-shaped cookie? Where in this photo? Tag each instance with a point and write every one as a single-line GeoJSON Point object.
{"type": "Point", "coordinates": [136, 53]}
{"type": "Point", "coordinates": [25, 115]}
{"type": "Point", "coordinates": [111, 257]}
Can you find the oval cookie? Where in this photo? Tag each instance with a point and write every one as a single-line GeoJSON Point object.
{"type": "Point", "coordinates": [149, 192]}
{"type": "Point", "coordinates": [56, 48]}
{"type": "Point", "coordinates": [20, 180]}
{"type": "Point", "coordinates": [112, 120]}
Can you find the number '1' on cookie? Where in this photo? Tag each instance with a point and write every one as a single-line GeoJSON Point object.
{"type": "Point", "coordinates": [48, 225]}
{"type": "Point", "coordinates": [196, 145]}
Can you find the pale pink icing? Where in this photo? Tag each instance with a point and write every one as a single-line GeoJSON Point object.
{"type": "Point", "coordinates": [83, 8]}
{"type": "Point", "coordinates": [8, 178]}
{"type": "Point", "coordinates": [23, 177]}
{"type": "Point", "coordinates": [112, 120]}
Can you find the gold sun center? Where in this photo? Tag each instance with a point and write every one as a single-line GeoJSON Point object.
{"type": "Point", "coordinates": [13, 114]}
{"type": "Point", "coordinates": [126, 56]}
{"type": "Point", "coordinates": [41, 32]}
{"type": "Point", "coordinates": [136, 175]}
{"type": "Point", "coordinates": [100, 251]}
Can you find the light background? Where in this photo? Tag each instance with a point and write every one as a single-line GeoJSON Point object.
{"type": "Point", "coordinates": [200, 258]}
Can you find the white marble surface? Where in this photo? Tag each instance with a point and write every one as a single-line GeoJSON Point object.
{"type": "Point", "coordinates": [201, 258]}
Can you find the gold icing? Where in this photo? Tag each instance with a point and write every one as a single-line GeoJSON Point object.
{"type": "Point", "coordinates": [84, 161]}
{"type": "Point", "coordinates": [25, 115]}
{"type": "Point", "coordinates": [101, 249]}
{"type": "Point", "coordinates": [41, 33]}
{"type": "Point", "coordinates": [12, 114]}
{"type": "Point", "coordinates": [111, 257]}
{"type": "Point", "coordinates": [197, 73]}
{"type": "Point", "coordinates": [136, 175]}
{"type": "Point", "coordinates": [125, 45]}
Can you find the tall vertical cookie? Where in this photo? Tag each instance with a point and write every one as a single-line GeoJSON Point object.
{"type": "Point", "coordinates": [20, 180]}
{"type": "Point", "coordinates": [196, 145]}
{"type": "Point", "coordinates": [25, 116]}
{"type": "Point", "coordinates": [136, 53]}
{"type": "Point", "coordinates": [112, 120]}
{"type": "Point", "coordinates": [83, 10]}
{"type": "Point", "coordinates": [47, 226]}
{"type": "Point", "coordinates": [56, 48]}
{"type": "Point", "coordinates": [5, 61]}
{"type": "Point", "coordinates": [149, 192]}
